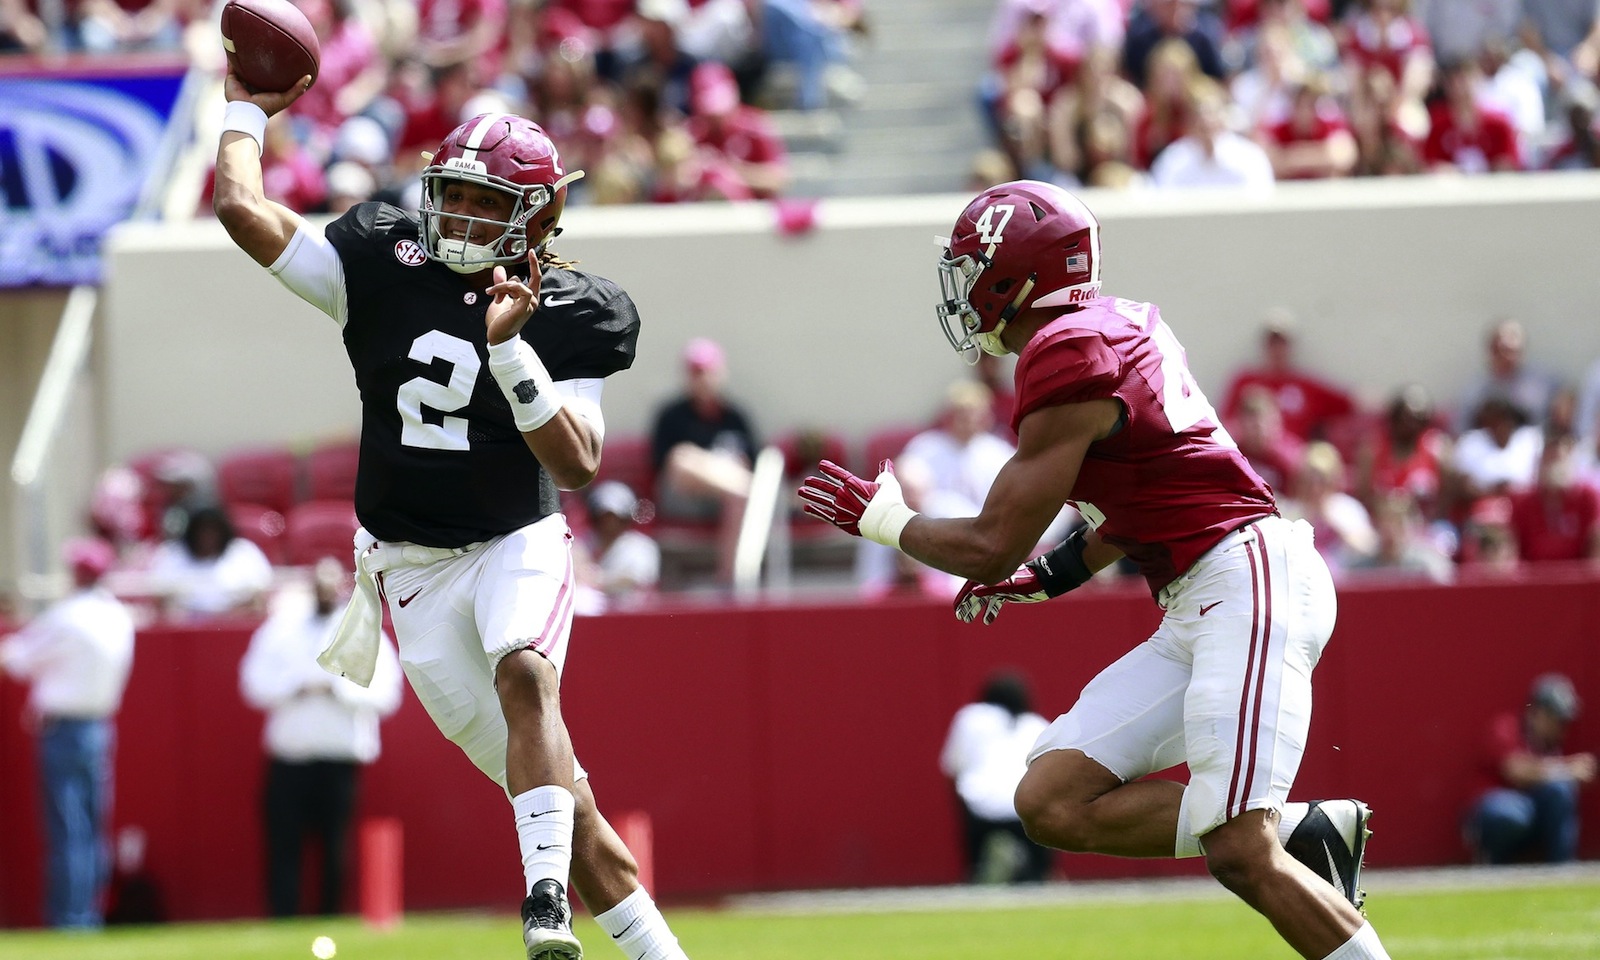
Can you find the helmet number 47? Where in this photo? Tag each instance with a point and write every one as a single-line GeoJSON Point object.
{"type": "Point", "coordinates": [988, 230]}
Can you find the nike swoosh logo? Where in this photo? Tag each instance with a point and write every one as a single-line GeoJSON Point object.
{"type": "Point", "coordinates": [533, 815]}
{"type": "Point", "coordinates": [1333, 870]}
{"type": "Point", "coordinates": [553, 302]}
{"type": "Point", "coordinates": [631, 924]}
{"type": "Point", "coordinates": [406, 600]}
{"type": "Point", "coordinates": [546, 846]}
{"type": "Point", "coordinates": [1205, 609]}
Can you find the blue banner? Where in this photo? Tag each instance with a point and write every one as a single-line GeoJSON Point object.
{"type": "Point", "coordinates": [76, 147]}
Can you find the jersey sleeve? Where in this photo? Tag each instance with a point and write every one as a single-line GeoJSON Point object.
{"type": "Point", "coordinates": [310, 266]}
{"type": "Point", "coordinates": [1067, 366]}
{"type": "Point", "coordinates": [609, 337]}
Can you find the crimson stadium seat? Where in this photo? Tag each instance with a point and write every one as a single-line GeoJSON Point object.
{"type": "Point", "coordinates": [626, 457]}
{"type": "Point", "coordinates": [331, 470]}
{"type": "Point", "coordinates": [883, 444]}
{"type": "Point", "coordinates": [262, 526]}
{"type": "Point", "coordinates": [267, 477]}
{"type": "Point", "coordinates": [320, 528]}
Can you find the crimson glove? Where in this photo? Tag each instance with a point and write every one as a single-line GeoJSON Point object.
{"type": "Point", "coordinates": [874, 509]}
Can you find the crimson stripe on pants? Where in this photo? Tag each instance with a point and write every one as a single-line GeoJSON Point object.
{"type": "Point", "coordinates": [560, 611]}
{"type": "Point", "coordinates": [1244, 759]}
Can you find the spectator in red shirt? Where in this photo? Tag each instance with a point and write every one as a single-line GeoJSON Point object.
{"type": "Point", "coordinates": [471, 32]}
{"type": "Point", "coordinates": [1407, 454]}
{"type": "Point", "coordinates": [1173, 69]}
{"type": "Point", "coordinates": [1309, 406]}
{"type": "Point", "coordinates": [1383, 34]}
{"type": "Point", "coordinates": [1258, 429]}
{"type": "Point", "coordinates": [741, 135]}
{"type": "Point", "coordinates": [1314, 141]}
{"type": "Point", "coordinates": [1465, 134]}
{"type": "Point", "coordinates": [432, 112]}
{"type": "Point", "coordinates": [1529, 805]}
{"type": "Point", "coordinates": [1559, 517]}
{"type": "Point", "coordinates": [350, 72]}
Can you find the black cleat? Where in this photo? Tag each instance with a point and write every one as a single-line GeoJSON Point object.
{"type": "Point", "coordinates": [1331, 840]}
{"type": "Point", "coordinates": [547, 924]}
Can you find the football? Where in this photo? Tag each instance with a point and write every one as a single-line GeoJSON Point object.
{"type": "Point", "coordinates": [270, 44]}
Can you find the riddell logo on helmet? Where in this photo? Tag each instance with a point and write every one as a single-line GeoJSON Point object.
{"type": "Point", "coordinates": [1080, 295]}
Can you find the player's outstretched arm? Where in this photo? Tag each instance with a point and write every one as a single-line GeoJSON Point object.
{"type": "Point", "coordinates": [261, 227]}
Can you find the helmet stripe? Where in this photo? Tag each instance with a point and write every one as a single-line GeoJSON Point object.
{"type": "Point", "coordinates": [476, 137]}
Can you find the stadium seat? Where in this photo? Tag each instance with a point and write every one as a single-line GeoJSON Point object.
{"type": "Point", "coordinates": [803, 450]}
{"type": "Point", "coordinates": [320, 528]}
{"type": "Point", "coordinates": [266, 477]}
{"type": "Point", "coordinates": [262, 526]}
{"type": "Point", "coordinates": [626, 457]}
{"type": "Point", "coordinates": [331, 470]}
{"type": "Point", "coordinates": [885, 443]}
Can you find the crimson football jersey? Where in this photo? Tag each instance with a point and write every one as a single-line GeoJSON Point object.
{"type": "Point", "coordinates": [1170, 482]}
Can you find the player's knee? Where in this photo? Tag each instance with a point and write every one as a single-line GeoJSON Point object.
{"type": "Point", "coordinates": [1241, 867]}
{"type": "Point", "coordinates": [1053, 821]}
{"type": "Point", "coordinates": [528, 680]}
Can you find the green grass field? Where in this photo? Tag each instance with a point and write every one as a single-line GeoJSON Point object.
{"type": "Point", "coordinates": [1560, 920]}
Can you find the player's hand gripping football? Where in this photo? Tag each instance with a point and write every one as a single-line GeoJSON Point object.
{"type": "Point", "coordinates": [1024, 586]}
{"type": "Point", "coordinates": [861, 508]}
{"type": "Point", "coordinates": [270, 103]}
{"type": "Point", "coordinates": [515, 299]}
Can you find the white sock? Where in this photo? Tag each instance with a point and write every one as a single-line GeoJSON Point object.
{"type": "Point", "coordinates": [1289, 818]}
{"type": "Point", "coordinates": [544, 832]}
{"type": "Point", "coordinates": [1363, 946]}
{"type": "Point", "coordinates": [639, 930]}
{"type": "Point", "coordinates": [1188, 844]}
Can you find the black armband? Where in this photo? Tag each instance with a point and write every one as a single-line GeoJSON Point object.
{"type": "Point", "coordinates": [1063, 568]}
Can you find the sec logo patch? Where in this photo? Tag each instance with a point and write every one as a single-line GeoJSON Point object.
{"type": "Point", "coordinates": [409, 253]}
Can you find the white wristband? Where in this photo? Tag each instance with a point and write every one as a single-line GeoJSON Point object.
{"type": "Point", "coordinates": [525, 383]}
{"type": "Point", "coordinates": [242, 116]}
{"type": "Point", "coordinates": [887, 514]}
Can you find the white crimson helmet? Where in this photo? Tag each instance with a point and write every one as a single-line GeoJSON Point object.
{"type": "Point", "coordinates": [504, 152]}
{"type": "Point", "coordinates": [1017, 245]}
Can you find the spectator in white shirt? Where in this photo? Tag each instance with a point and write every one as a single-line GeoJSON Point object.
{"type": "Point", "coordinates": [209, 570]}
{"type": "Point", "coordinates": [1501, 455]}
{"type": "Point", "coordinates": [320, 731]}
{"type": "Point", "coordinates": [985, 755]}
{"type": "Point", "coordinates": [1211, 154]}
{"type": "Point", "coordinates": [76, 655]}
{"type": "Point", "coordinates": [945, 471]}
{"type": "Point", "coordinates": [620, 564]}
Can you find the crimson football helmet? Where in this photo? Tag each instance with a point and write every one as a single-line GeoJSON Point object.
{"type": "Point", "coordinates": [505, 153]}
{"type": "Point", "coordinates": [1018, 245]}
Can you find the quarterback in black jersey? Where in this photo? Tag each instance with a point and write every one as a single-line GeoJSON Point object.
{"type": "Point", "coordinates": [480, 358]}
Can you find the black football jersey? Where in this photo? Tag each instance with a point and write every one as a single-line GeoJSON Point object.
{"type": "Point", "coordinates": [442, 462]}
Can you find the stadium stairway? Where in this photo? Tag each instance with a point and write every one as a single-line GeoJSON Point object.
{"type": "Point", "coordinates": [916, 125]}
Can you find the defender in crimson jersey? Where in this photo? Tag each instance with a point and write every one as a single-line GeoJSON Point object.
{"type": "Point", "coordinates": [1108, 417]}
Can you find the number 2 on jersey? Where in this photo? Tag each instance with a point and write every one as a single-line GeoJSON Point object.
{"type": "Point", "coordinates": [451, 433]}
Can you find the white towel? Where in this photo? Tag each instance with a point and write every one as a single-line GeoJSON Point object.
{"type": "Point", "coordinates": [353, 650]}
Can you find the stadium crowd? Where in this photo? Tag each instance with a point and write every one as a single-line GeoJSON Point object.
{"type": "Point", "coordinates": [654, 98]}
{"type": "Point", "coordinates": [1116, 93]}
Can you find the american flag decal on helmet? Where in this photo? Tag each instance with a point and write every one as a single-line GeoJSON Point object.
{"type": "Point", "coordinates": [1077, 262]}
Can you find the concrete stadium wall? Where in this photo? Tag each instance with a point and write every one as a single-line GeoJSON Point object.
{"type": "Point", "coordinates": [1394, 281]}
{"type": "Point", "coordinates": [797, 747]}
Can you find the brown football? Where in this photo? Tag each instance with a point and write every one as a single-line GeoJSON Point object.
{"type": "Point", "coordinates": [270, 44]}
